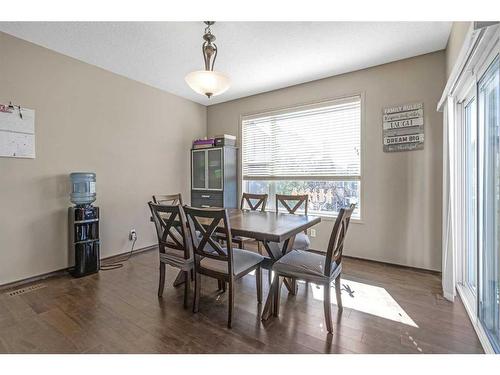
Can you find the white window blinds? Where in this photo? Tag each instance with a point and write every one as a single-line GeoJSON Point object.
{"type": "Point", "coordinates": [321, 141]}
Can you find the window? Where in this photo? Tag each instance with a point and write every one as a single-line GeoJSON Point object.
{"type": "Point", "coordinates": [314, 150]}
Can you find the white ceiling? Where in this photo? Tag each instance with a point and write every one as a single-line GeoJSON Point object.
{"type": "Point", "coordinates": [258, 56]}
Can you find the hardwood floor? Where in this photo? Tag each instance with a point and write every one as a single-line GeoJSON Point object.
{"type": "Point", "coordinates": [387, 309]}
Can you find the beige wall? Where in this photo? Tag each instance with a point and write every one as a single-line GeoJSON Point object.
{"type": "Point", "coordinates": [136, 138]}
{"type": "Point", "coordinates": [455, 42]}
{"type": "Point", "coordinates": [402, 191]}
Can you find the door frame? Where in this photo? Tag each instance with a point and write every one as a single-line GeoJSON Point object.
{"type": "Point", "coordinates": [466, 94]}
{"type": "Point", "coordinates": [472, 66]}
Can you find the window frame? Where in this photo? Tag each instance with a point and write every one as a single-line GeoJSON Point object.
{"type": "Point", "coordinates": [306, 106]}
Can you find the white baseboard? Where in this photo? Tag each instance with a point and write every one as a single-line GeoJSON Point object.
{"type": "Point", "coordinates": [450, 296]}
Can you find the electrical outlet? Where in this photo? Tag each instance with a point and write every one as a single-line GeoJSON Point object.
{"type": "Point", "coordinates": [132, 235]}
{"type": "Point", "coordinates": [312, 232]}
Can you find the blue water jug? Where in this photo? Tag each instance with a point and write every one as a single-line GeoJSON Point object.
{"type": "Point", "coordinates": [83, 188]}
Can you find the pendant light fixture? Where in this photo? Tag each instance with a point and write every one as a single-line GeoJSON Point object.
{"type": "Point", "coordinates": [208, 82]}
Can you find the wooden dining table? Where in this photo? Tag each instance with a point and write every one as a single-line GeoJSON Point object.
{"type": "Point", "coordinates": [269, 227]}
{"type": "Point", "coordinates": [266, 227]}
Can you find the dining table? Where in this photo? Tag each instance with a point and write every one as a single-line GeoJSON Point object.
{"type": "Point", "coordinates": [275, 230]}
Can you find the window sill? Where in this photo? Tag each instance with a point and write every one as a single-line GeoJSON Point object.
{"type": "Point", "coordinates": [324, 217]}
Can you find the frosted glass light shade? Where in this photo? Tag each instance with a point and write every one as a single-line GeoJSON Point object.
{"type": "Point", "coordinates": [207, 82]}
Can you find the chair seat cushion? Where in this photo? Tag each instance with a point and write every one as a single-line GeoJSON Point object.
{"type": "Point", "coordinates": [301, 242]}
{"type": "Point", "coordinates": [304, 265]}
{"type": "Point", "coordinates": [242, 260]}
{"type": "Point", "coordinates": [175, 258]}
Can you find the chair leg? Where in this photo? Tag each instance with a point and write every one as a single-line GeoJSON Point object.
{"type": "Point", "coordinates": [294, 286]}
{"type": "Point", "coordinates": [259, 247]}
{"type": "Point", "coordinates": [197, 286]}
{"type": "Point", "coordinates": [258, 280]}
{"type": "Point", "coordinates": [222, 285]}
{"type": "Point", "coordinates": [187, 288]}
{"type": "Point", "coordinates": [277, 294]}
{"type": "Point", "coordinates": [240, 245]}
{"type": "Point", "coordinates": [231, 304]}
{"type": "Point", "coordinates": [338, 294]}
{"type": "Point", "coordinates": [328, 307]}
{"type": "Point", "coordinates": [161, 284]}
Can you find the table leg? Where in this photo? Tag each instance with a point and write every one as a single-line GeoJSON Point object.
{"type": "Point", "coordinates": [289, 283]}
{"type": "Point", "coordinates": [268, 306]}
{"type": "Point", "coordinates": [180, 279]}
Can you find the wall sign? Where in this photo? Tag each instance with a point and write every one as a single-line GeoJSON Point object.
{"type": "Point", "coordinates": [403, 127]}
{"type": "Point", "coordinates": [17, 132]}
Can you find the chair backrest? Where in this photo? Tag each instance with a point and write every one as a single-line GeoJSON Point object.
{"type": "Point", "coordinates": [253, 201]}
{"type": "Point", "coordinates": [168, 199]}
{"type": "Point", "coordinates": [336, 243]}
{"type": "Point", "coordinates": [171, 228]}
{"type": "Point", "coordinates": [292, 202]}
{"type": "Point", "coordinates": [206, 221]}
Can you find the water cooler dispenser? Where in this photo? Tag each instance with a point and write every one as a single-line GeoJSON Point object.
{"type": "Point", "coordinates": [83, 219]}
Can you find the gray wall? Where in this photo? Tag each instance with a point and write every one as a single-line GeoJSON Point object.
{"type": "Point", "coordinates": [402, 191]}
{"type": "Point", "coordinates": [136, 138]}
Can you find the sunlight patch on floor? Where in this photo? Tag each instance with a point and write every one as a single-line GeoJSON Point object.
{"type": "Point", "coordinates": [369, 299]}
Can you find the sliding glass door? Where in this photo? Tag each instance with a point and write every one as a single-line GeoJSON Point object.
{"type": "Point", "coordinates": [489, 277]}
{"type": "Point", "coordinates": [469, 269]}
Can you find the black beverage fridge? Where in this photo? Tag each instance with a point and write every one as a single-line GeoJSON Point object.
{"type": "Point", "coordinates": [84, 240]}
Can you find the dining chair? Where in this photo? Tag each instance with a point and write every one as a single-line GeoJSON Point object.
{"type": "Point", "coordinates": [253, 202]}
{"type": "Point", "coordinates": [316, 268]}
{"type": "Point", "coordinates": [168, 199]}
{"type": "Point", "coordinates": [249, 202]}
{"type": "Point", "coordinates": [292, 203]}
{"type": "Point", "coordinates": [174, 243]}
{"type": "Point", "coordinates": [225, 264]}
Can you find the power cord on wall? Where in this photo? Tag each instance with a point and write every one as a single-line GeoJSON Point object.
{"type": "Point", "coordinates": [118, 262]}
